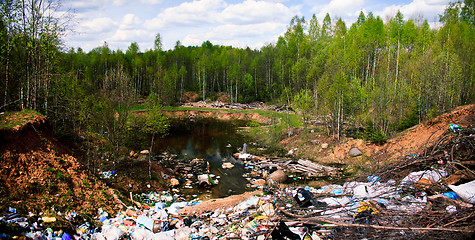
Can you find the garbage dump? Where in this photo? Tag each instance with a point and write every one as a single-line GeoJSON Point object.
{"type": "Point", "coordinates": [425, 196]}
{"type": "Point", "coordinates": [279, 210]}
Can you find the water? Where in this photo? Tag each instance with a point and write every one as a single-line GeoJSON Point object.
{"type": "Point", "coordinates": [214, 141]}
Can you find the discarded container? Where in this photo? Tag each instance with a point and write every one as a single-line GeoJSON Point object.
{"type": "Point", "coordinates": [455, 127]}
{"type": "Point", "coordinates": [150, 224]}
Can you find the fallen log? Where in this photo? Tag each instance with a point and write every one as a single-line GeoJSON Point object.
{"type": "Point", "coordinates": [318, 167]}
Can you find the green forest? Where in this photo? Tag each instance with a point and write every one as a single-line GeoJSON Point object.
{"type": "Point", "coordinates": [387, 74]}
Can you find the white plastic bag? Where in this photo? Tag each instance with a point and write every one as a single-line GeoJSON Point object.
{"type": "Point", "coordinates": [465, 191]}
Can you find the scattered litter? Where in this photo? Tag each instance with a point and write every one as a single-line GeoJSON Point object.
{"type": "Point", "coordinates": [355, 209]}
{"type": "Point", "coordinates": [227, 165]}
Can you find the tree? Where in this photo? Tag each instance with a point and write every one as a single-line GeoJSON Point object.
{"type": "Point", "coordinates": [156, 124]}
{"type": "Point", "coordinates": [304, 101]}
{"type": "Point", "coordinates": [158, 42]}
{"type": "Point", "coordinates": [468, 11]}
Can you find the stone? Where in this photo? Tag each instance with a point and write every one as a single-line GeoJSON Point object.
{"type": "Point", "coordinates": [354, 152]}
{"type": "Point", "coordinates": [324, 145]}
{"type": "Point", "coordinates": [278, 176]}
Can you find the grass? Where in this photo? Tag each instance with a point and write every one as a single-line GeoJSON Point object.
{"type": "Point", "coordinates": [8, 120]}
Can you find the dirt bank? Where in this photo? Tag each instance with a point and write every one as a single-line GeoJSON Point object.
{"type": "Point", "coordinates": [325, 149]}
{"type": "Point", "coordinates": [38, 173]}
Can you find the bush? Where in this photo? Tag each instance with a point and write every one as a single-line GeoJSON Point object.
{"type": "Point", "coordinates": [371, 133]}
{"type": "Point", "coordinates": [410, 119]}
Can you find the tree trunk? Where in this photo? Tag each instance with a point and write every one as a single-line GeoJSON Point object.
{"type": "Point", "coordinates": [5, 99]}
{"type": "Point", "coordinates": [150, 158]}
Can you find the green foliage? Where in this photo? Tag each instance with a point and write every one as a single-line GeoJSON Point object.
{"type": "Point", "coordinates": [372, 70]}
{"type": "Point", "coordinates": [59, 175]}
{"type": "Point", "coordinates": [155, 123]}
{"type": "Point", "coordinates": [9, 120]}
{"type": "Point", "coordinates": [410, 119]}
{"type": "Point", "coordinates": [153, 100]}
{"type": "Point", "coordinates": [373, 134]}
{"type": "Point", "coordinates": [304, 101]}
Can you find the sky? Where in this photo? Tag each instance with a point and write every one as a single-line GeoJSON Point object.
{"type": "Point", "coordinates": [237, 23]}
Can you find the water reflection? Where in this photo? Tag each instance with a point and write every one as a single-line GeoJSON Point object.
{"type": "Point", "coordinates": [213, 140]}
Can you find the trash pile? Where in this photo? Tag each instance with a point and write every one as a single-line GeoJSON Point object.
{"type": "Point", "coordinates": [390, 209]}
{"type": "Point", "coordinates": [419, 197]}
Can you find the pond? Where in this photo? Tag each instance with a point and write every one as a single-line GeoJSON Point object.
{"type": "Point", "coordinates": [214, 141]}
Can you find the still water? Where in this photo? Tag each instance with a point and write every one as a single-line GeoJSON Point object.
{"type": "Point", "coordinates": [212, 140]}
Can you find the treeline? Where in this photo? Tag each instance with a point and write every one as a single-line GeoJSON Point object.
{"type": "Point", "coordinates": [387, 75]}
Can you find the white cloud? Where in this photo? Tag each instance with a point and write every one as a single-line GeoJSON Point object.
{"type": "Point", "coordinates": [251, 11]}
{"type": "Point", "coordinates": [239, 23]}
{"type": "Point", "coordinates": [130, 21]}
{"type": "Point", "coordinates": [340, 8]}
{"type": "Point", "coordinates": [428, 9]}
{"type": "Point", "coordinates": [237, 35]}
{"type": "Point", "coordinates": [129, 35]}
{"type": "Point", "coordinates": [187, 14]}
{"type": "Point", "coordinates": [244, 23]}
{"type": "Point", "coordinates": [98, 25]}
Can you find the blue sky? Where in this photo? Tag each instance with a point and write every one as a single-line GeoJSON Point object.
{"type": "Point", "coordinates": [239, 23]}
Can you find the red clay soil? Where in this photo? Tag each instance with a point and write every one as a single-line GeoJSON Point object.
{"type": "Point", "coordinates": [38, 173]}
{"type": "Point", "coordinates": [410, 141]}
{"type": "Point", "coordinates": [416, 139]}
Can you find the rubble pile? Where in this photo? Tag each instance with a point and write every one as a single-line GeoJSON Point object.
{"type": "Point", "coordinates": [240, 106]}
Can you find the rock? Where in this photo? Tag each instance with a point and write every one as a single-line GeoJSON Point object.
{"type": "Point", "coordinates": [278, 176]}
{"type": "Point", "coordinates": [354, 152]}
{"type": "Point", "coordinates": [145, 152]}
{"type": "Point", "coordinates": [324, 145]}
